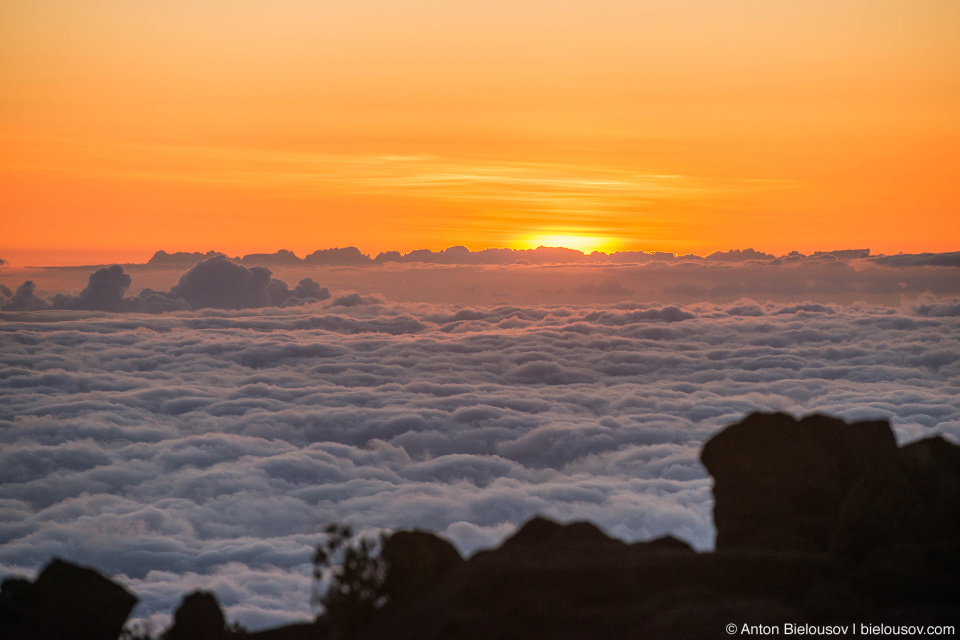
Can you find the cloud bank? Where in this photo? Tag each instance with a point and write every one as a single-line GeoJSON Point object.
{"type": "Point", "coordinates": [207, 449]}
{"type": "Point", "coordinates": [196, 281]}
{"type": "Point", "coordinates": [216, 282]}
{"type": "Point", "coordinates": [460, 255]}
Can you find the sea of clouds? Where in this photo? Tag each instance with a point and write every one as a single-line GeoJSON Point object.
{"type": "Point", "coordinates": [209, 448]}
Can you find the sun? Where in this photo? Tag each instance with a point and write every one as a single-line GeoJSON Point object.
{"type": "Point", "coordinates": [581, 242]}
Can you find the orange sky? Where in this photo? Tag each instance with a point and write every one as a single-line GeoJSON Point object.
{"type": "Point", "coordinates": [682, 125]}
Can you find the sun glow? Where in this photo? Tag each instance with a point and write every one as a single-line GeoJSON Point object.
{"type": "Point", "coordinates": [584, 243]}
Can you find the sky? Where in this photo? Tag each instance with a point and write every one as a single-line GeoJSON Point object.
{"type": "Point", "coordinates": [686, 126]}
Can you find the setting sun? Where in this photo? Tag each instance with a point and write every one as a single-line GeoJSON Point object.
{"type": "Point", "coordinates": [584, 243]}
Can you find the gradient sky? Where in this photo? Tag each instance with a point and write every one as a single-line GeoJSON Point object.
{"type": "Point", "coordinates": [684, 126]}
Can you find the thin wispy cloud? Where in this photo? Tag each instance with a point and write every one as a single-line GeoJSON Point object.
{"type": "Point", "coordinates": [554, 188]}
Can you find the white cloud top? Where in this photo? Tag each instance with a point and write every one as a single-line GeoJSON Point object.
{"type": "Point", "coordinates": [209, 449]}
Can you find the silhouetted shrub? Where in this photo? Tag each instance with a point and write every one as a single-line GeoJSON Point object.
{"type": "Point", "coordinates": [356, 573]}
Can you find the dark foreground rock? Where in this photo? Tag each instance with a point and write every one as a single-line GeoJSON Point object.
{"type": "Point", "coordinates": [821, 484]}
{"type": "Point", "coordinates": [198, 616]}
{"type": "Point", "coordinates": [572, 581]}
{"type": "Point", "coordinates": [65, 602]}
{"type": "Point", "coordinates": [819, 522]}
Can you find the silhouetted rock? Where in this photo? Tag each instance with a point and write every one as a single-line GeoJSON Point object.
{"type": "Point", "coordinates": [663, 543]}
{"type": "Point", "coordinates": [198, 618]}
{"type": "Point", "coordinates": [416, 560]}
{"type": "Point", "coordinates": [780, 483]}
{"type": "Point", "coordinates": [545, 539]}
{"type": "Point", "coordinates": [65, 602]}
{"type": "Point", "coordinates": [572, 581]}
{"type": "Point", "coordinates": [819, 522]}
{"type": "Point", "coordinates": [902, 526]}
{"type": "Point", "coordinates": [821, 484]}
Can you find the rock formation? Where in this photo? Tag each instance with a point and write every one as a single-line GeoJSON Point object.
{"type": "Point", "coordinates": [65, 602]}
{"type": "Point", "coordinates": [198, 616]}
{"type": "Point", "coordinates": [821, 484]}
{"type": "Point", "coordinates": [780, 483]}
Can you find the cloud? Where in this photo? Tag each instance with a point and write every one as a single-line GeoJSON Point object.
{"type": "Point", "coordinates": [951, 259]}
{"type": "Point", "coordinates": [216, 282]}
{"type": "Point", "coordinates": [25, 299]}
{"type": "Point", "coordinates": [736, 255]}
{"type": "Point", "coordinates": [542, 277]}
{"type": "Point", "coordinates": [349, 300]}
{"type": "Point", "coordinates": [944, 308]}
{"type": "Point", "coordinates": [209, 448]}
{"type": "Point", "coordinates": [460, 255]}
{"type": "Point", "coordinates": [605, 288]}
{"type": "Point", "coordinates": [105, 292]}
{"type": "Point", "coordinates": [308, 289]}
{"type": "Point", "coordinates": [345, 256]}
{"type": "Point", "coordinates": [219, 283]}
{"type": "Point", "coordinates": [150, 301]}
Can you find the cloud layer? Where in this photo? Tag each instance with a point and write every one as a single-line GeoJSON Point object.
{"type": "Point", "coordinates": [216, 282]}
{"type": "Point", "coordinates": [209, 448]}
{"type": "Point", "coordinates": [543, 277]}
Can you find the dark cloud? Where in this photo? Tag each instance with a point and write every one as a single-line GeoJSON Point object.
{"type": "Point", "coordinates": [308, 289]}
{"type": "Point", "coordinates": [749, 309]}
{"type": "Point", "coordinates": [826, 278]}
{"type": "Point", "coordinates": [344, 256]}
{"type": "Point", "coordinates": [25, 299]}
{"type": "Point", "coordinates": [106, 289]}
{"type": "Point", "coordinates": [618, 318]}
{"type": "Point", "coordinates": [216, 282]}
{"type": "Point", "coordinates": [945, 308]}
{"type": "Point", "coordinates": [282, 257]}
{"type": "Point", "coordinates": [736, 255]}
{"type": "Point", "coordinates": [150, 301]}
{"type": "Point", "coordinates": [104, 292]}
{"type": "Point", "coordinates": [951, 259]}
{"type": "Point", "coordinates": [349, 300]}
{"type": "Point", "coordinates": [219, 283]}
{"type": "Point", "coordinates": [162, 258]}
{"type": "Point", "coordinates": [807, 307]}
{"type": "Point", "coordinates": [460, 255]}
